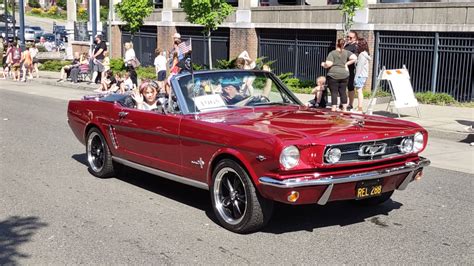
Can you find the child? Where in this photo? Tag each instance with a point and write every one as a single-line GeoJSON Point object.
{"type": "Point", "coordinates": [106, 64]}
{"type": "Point", "coordinates": [160, 67]}
{"type": "Point", "coordinates": [362, 71]}
{"type": "Point", "coordinates": [106, 82]}
{"type": "Point", "coordinates": [319, 92]}
{"type": "Point", "coordinates": [146, 96]}
{"type": "Point", "coordinates": [127, 84]}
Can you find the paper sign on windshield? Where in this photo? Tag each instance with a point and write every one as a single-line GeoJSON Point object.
{"type": "Point", "coordinates": [209, 101]}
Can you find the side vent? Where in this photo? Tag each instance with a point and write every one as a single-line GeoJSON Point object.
{"type": "Point", "coordinates": [112, 136]}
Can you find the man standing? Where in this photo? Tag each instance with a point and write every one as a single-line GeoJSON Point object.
{"type": "Point", "coordinates": [351, 46]}
{"type": "Point", "coordinates": [98, 57]}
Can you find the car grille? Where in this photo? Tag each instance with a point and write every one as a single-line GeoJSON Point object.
{"type": "Point", "coordinates": [351, 152]}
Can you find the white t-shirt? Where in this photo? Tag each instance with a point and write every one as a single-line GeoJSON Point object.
{"type": "Point", "coordinates": [160, 63]}
{"type": "Point", "coordinates": [148, 107]}
{"type": "Point", "coordinates": [128, 83]}
{"type": "Point", "coordinates": [129, 55]}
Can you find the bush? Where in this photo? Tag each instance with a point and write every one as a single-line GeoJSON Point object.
{"type": "Point", "coordinates": [104, 13]}
{"type": "Point", "coordinates": [146, 72]}
{"type": "Point", "coordinates": [34, 3]}
{"type": "Point", "coordinates": [53, 11]}
{"type": "Point", "coordinates": [62, 4]}
{"type": "Point", "coordinates": [37, 11]}
{"type": "Point", "coordinates": [82, 14]}
{"type": "Point", "coordinates": [54, 65]}
{"type": "Point", "coordinates": [435, 98]}
{"type": "Point", "coordinates": [116, 64]}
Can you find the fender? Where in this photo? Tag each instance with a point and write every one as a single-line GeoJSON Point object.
{"type": "Point", "coordinates": [234, 153]}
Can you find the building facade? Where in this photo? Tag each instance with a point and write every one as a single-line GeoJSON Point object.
{"type": "Point", "coordinates": [434, 40]}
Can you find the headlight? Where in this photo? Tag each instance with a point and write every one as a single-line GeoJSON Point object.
{"type": "Point", "coordinates": [406, 146]}
{"type": "Point", "coordinates": [333, 155]}
{"type": "Point", "coordinates": [418, 142]}
{"type": "Point", "coordinates": [290, 157]}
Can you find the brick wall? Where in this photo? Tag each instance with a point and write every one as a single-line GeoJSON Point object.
{"type": "Point", "coordinates": [243, 39]}
{"type": "Point", "coordinates": [165, 37]}
{"type": "Point", "coordinates": [116, 42]}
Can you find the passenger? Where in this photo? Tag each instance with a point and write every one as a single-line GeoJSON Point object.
{"type": "Point", "coordinates": [231, 95]}
{"type": "Point", "coordinates": [146, 96]}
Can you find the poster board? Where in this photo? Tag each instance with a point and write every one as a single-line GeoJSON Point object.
{"type": "Point", "coordinates": [402, 90]}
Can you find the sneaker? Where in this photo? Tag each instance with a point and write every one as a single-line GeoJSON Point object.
{"type": "Point", "coordinates": [349, 107]}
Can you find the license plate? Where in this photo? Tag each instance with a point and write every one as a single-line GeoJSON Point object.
{"type": "Point", "coordinates": [368, 188]}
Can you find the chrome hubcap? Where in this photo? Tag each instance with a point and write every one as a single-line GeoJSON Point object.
{"type": "Point", "coordinates": [230, 196]}
{"type": "Point", "coordinates": [95, 152]}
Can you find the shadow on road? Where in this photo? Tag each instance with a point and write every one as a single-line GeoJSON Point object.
{"type": "Point", "coordinates": [469, 129]}
{"type": "Point", "coordinates": [286, 218]}
{"type": "Point", "coordinates": [15, 231]}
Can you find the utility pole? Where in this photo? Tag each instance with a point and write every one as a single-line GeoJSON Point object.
{"type": "Point", "coordinates": [14, 20]}
{"type": "Point", "coordinates": [94, 18]}
{"type": "Point", "coordinates": [22, 24]}
{"type": "Point", "coordinates": [5, 3]}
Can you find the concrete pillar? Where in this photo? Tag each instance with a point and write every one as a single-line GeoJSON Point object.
{"type": "Point", "coordinates": [243, 39]}
{"type": "Point", "coordinates": [71, 18]}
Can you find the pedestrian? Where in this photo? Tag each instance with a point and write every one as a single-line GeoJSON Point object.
{"type": "Point", "coordinates": [34, 52]}
{"type": "Point", "coordinates": [244, 61]}
{"type": "Point", "coordinates": [319, 93]}
{"type": "Point", "coordinates": [14, 58]}
{"type": "Point", "coordinates": [362, 70]}
{"type": "Point", "coordinates": [160, 67]}
{"type": "Point", "coordinates": [27, 64]}
{"type": "Point", "coordinates": [2, 49]}
{"type": "Point", "coordinates": [129, 59]}
{"type": "Point", "coordinates": [338, 62]}
{"type": "Point", "coordinates": [98, 57]}
{"type": "Point", "coordinates": [176, 42]}
{"type": "Point", "coordinates": [351, 46]}
{"type": "Point", "coordinates": [105, 64]}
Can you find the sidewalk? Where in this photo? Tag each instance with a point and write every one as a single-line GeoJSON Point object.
{"type": "Point", "coordinates": [446, 122]}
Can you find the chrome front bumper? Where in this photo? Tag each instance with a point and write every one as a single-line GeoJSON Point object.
{"type": "Point", "coordinates": [330, 181]}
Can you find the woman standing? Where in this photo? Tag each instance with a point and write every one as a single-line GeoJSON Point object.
{"type": "Point", "coordinates": [129, 57]}
{"type": "Point", "coordinates": [362, 71]}
{"type": "Point", "coordinates": [338, 62]}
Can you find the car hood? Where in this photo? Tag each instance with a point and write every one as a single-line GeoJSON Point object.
{"type": "Point", "coordinates": [319, 126]}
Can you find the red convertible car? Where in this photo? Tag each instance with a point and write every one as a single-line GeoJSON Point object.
{"type": "Point", "coordinates": [247, 139]}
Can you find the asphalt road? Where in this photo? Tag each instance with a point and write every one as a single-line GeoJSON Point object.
{"type": "Point", "coordinates": [45, 23]}
{"type": "Point", "coordinates": [52, 210]}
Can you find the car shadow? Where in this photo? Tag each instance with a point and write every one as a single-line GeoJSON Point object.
{"type": "Point", "coordinates": [15, 231]}
{"type": "Point", "coordinates": [285, 219]}
{"type": "Point", "coordinates": [389, 114]}
{"type": "Point", "coordinates": [288, 218]}
{"type": "Point", "coordinates": [469, 129]}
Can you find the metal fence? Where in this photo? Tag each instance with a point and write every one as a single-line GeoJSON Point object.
{"type": "Point", "coordinates": [219, 44]}
{"type": "Point", "coordinates": [144, 44]}
{"type": "Point", "coordinates": [82, 34]}
{"type": "Point", "coordinates": [437, 62]}
{"type": "Point", "coordinates": [298, 52]}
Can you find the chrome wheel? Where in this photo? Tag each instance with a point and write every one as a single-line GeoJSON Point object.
{"type": "Point", "coordinates": [95, 152]}
{"type": "Point", "coordinates": [230, 195]}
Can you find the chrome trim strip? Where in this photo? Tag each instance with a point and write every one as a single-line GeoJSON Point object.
{"type": "Point", "coordinates": [163, 174]}
{"type": "Point", "coordinates": [298, 182]}
{"type": "Point", "coordinates": [325, 197]}
{"type": "Point", "coordinates": [406, 181]}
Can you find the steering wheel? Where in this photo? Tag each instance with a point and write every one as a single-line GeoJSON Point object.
{"type": "Point", "coordinates": [257, 99]}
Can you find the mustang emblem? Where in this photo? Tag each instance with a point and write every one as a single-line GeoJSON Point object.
{"type": "Point", "coordinates": [199, 162]}
{"type": "Point", "coordinates": [372, 150]}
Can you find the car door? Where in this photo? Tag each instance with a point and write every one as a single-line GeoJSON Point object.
{"type": "Point", "coordinates": [149, 138]}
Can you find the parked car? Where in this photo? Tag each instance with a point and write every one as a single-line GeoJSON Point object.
{"type": "Point", "coordinates": [29, 34]}
{"type": "Point", "coordinates": [6, 16]}
{"type": "Point", "coordinates": [3, 33]}
{"type": "Point", "coordinates": [247, 139]}
{"type": "Point", "coordinates": [38, 31]}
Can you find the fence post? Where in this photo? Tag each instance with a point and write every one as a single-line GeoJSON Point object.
{"type": "Point", "coordinates": [375, 68]}
{"type": "Point", "coordinates": [434, 75]}
{"type": "Point", "coordinates": [296, 74]}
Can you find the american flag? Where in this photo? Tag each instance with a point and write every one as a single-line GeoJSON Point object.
{"type": "Point", "coordinates": [185, 47]}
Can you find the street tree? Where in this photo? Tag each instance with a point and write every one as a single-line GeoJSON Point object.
{"type": "Point", "coordinates": [208, 13]}
{"type": "Point", "coordinates": [133, 12]}
{"type": "Point", "coordinates": [348, 9]}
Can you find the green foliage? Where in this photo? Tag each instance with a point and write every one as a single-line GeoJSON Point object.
{"type": "Point", "coordinates": [34, 3]}
{"type": "Point", "coordinates": [226, 64]}
{"type": "Point", "coordinates": [53, 10]}
{"type": "Point", "coordinates": [348, 9]}
{"type": "Point", "coordinates": [62, 4]}
{"type": "Point", "coordinates": [53, 65]}
{"type": "Point", "coordinates": [435, 98]}
{"type": "Point", "coordinates": [36, 11]}
{"type": "Point", "coordinates": [104, 13]}
{"type": "Point", "coordinates": [117, 64]}
{"type": "Point", "coordinates": [208, 13]}
{"type": "Point", "coordinates": [146, 72]}
{"type": "Point", "coordinates": [133, 12]}
{"type": "Point", "coordinates": [380, 93]}
{"type": "Point", "coordinates": [82, 14]}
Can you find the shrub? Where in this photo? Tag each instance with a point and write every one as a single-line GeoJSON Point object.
{"type": "Point", "coordinates": [37, 11]}
{"type": "Point", "coordinates": [146, 72]}
{"type": "Point", "coordinates": [435, 98]}
{"type": "Point", "coordinates": [62, 4]}
{"type": "Point", "coordinates": [34, 3]}
{"type": "Point", "coordinates": [54, 65]}
{"type": "Point", "coordinates": [53, 10]}
{"type": "Point", "coordinates": [82, 14]}
{"type": "Point", "coordinates": [116, 64]}
{"type": "Point", "coordinates": [104, 13]}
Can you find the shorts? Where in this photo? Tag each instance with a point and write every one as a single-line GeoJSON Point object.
{"type": "Point", "coordinates": [359, 82]}
{"type": "Point", "coordinates": [161, 75]}
{"type": "Point", "coordinates": [99, 67]}
{"type": "Point", "coordinates": [16, 67]}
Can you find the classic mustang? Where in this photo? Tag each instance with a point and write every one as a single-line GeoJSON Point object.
{"type": "Point", "coordinates": [247, 139]}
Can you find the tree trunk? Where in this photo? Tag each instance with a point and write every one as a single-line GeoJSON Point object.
{"type": "Point", "coordinates": [210, 50]}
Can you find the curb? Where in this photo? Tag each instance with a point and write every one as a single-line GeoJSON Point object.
{"type": "Point", "coordinates": [67, 84]}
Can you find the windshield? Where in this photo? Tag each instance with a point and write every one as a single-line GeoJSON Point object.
{"type": "Point", "coordinates": [232, 89]}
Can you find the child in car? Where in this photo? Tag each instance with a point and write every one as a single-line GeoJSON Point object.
{"type": "Point", "coordinates": [145, 97]}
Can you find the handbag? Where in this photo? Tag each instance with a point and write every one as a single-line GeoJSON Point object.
{"type": "Point", "coordinates": [135, 63]}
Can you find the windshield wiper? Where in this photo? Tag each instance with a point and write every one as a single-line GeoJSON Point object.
{"type": "Point", "coordinates": [273, 103]}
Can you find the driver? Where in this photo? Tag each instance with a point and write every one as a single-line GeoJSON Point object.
{"type": "Point", "coordinates": [231, 95]}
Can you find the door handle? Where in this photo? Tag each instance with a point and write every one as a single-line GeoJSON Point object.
{"type": "Point", "coordinates": [122, 114]}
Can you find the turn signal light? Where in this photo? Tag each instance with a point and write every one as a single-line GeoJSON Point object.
{"type": "Point", "coordinates": [419, 175]}
{"type": "Point", "coordinates": [293, 196]}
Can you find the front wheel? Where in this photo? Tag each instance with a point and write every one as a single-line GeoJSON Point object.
{"type": "Point", "coordinates": [99, 157]}
{"type": "Point", "coordinates": [236, 203]}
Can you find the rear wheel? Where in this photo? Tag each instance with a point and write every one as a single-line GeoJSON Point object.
{"type": "Point", "coordinates": [99, 157]}
{"type": "Point", "coordinates": [375, 200]}
{"type": "Point", "coordinates": [236, 203]}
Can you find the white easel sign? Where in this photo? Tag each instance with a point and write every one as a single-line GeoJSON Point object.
{"type": "Point", "coordinates": [403, 95]}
